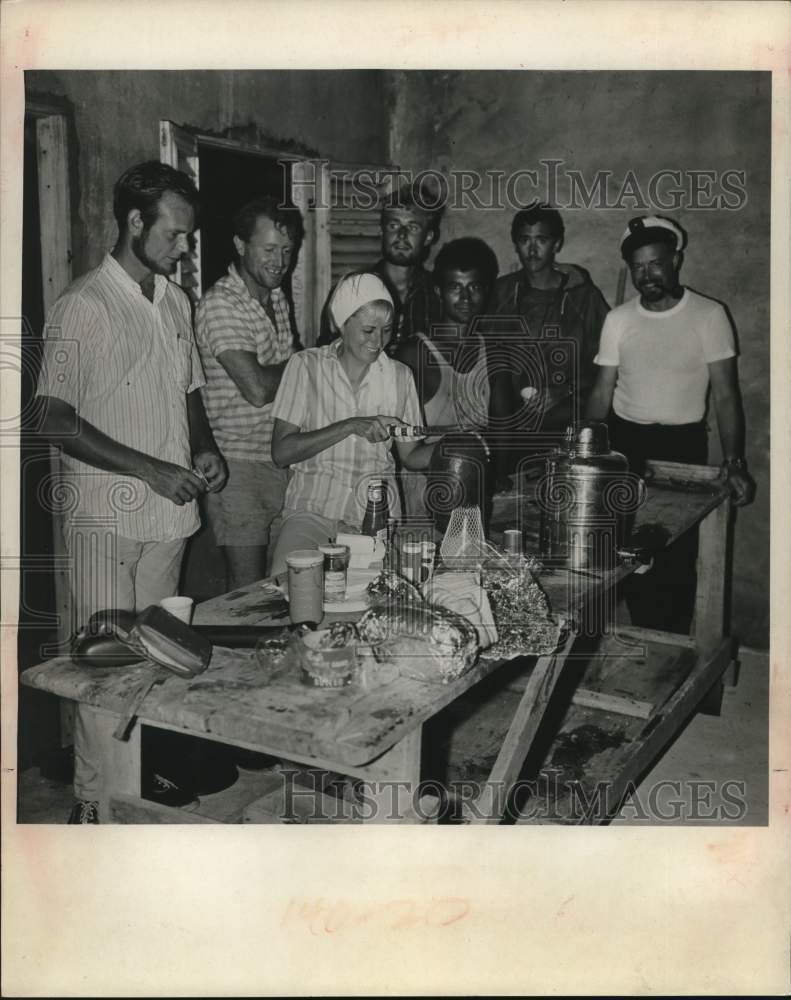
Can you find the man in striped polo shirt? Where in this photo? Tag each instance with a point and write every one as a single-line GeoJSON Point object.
{"type": "Point", "coordinates": [118, 381]}
{"type": "Point", "coordinates": [244, 332]}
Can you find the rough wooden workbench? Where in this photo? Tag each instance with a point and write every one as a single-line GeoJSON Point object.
{"type": "Point", "coordinates": [373, 731]}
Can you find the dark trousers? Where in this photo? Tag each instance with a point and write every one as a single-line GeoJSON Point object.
{"type": "Point", "coordinates": [663, 598]}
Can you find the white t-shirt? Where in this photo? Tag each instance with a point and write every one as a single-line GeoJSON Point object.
{"type": "Point", "coordinates": [663, 357]}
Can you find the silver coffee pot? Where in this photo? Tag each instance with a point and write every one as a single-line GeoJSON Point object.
{"type": "Point", "coordinates": [586, 497]}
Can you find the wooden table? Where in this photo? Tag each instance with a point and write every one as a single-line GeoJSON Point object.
{"type": "Point", "coordinates": [373, 732]}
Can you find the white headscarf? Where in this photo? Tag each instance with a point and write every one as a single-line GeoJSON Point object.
{"type": "Point", "coordinates": [354, 291]}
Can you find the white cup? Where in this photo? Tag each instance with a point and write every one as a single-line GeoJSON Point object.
{"type": "Point", "coordinates": [181, 607]}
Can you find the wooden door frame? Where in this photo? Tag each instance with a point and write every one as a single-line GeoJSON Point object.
{"type": "Point", "coordinates": [54, 202]}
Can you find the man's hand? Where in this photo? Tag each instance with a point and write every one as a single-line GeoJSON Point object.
{"type": "Point", "coordinates": [173, 482]}
{"type": "Point", "coordinates": [373, 429]}
{"type": "Point", "coordinates": [741, 485]}
{"type": "Point", "coordinates": [212, 467]}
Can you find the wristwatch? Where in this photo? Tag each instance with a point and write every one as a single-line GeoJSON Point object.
{"type": "Point", "coordinates": [734, 465]}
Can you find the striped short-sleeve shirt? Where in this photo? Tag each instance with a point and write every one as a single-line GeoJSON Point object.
{"type": "Point", "coordinates": [126, 365]}
{"type": "Point", "coordinates": [230, 319]}
{"type": "Point", "coordinates": [315, 392]}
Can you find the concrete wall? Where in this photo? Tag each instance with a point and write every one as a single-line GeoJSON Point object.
{"type": "Point", "coordinates": [482, 121]}
{"type": "Point", "coordinates": [619, 122]}
{"type": "Point", "coordinates": [339, 115]}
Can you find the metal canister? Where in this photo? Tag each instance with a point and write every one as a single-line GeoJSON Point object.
{"type": "Point", "coordinates": [585, 498]}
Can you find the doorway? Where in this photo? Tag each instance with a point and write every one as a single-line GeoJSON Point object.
{"type": "Point", "coordinates": [228, 179]}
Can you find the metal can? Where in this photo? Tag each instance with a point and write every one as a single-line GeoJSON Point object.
{"type": "Point", "coordinates": [411, 555]}
{"type": "Point", "coordinates": [336, 566]}
{"type": "Point", "coordinates": [512, 541]}
{"type": "Point", "coordinates": [428, 555]}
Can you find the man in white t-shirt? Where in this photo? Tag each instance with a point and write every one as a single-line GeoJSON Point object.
{"type": "Point", "coordinates": [659, 354]}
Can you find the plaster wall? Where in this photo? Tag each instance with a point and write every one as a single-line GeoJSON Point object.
{"type": "Point", "coordinates": [621, 122]}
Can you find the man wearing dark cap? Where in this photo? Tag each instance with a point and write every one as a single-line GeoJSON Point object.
{"type": "Point", "coordinates": [410, 226]}
{"type": "Point", "coordinates": [659, 354]}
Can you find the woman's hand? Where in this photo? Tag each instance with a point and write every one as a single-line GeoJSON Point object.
{"type": "Point", "coordinates": [373, 429]}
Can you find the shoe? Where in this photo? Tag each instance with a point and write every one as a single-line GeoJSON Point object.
{"type": "Point", "coordinates": [251, 760]}
{"type": "Point", "coordinates": [167, 793]}
{"type": "Point", "coordinates": [84, 812]}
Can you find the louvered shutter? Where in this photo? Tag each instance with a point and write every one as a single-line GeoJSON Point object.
{"type": "Point", "coordinates": [355, 233]}
{"type": "Point", "coordinates": [179, 148]}
{"type": "Point", "coordinates": [346, 235]}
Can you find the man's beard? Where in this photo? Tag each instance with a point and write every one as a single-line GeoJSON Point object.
{"type": "Point", "coordinates": [659, 290]}
{"type": "Point", "coordinates": [402, 258]}
{"type": "Point", "coordinates": [139, 250]}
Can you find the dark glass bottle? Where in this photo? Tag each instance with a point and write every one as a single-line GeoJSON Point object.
{"type": "Point", "coordinates": [376, 512]}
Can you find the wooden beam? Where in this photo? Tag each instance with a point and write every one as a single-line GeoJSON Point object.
{"type": "Point", "coordinates": [118, 763]}
{"type": "Point", "coordinates": [532, 707]}
{"type": "Point", "coordinates": [52, 155]}
{"type": "Point", "coordinates": [132, 809]}
{"type": "Point", "coordinates": [616, 703]}
{"type": "Point", "coordinates": [711, 587]}
{"type": "Point", "coordinates": [650, 635]}
{"type": "Point", "coordinates": [683, 471]}
{"type": "Point", "coordinates": [54, 206]}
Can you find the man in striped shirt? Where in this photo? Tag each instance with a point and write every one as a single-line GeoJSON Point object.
{"type": "Point", "coordinates": [118, 381]}
{"type": "Point", "coordinates": [243, 328]}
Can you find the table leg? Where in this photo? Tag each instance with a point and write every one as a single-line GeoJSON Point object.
{"type": "Point", "coordinates": [391, 790]}
{"type": "Point", "coordinates": [119, 762]}
{"type": "Point", "coordinates": [709, 627]}
{"type": "Point", "coordinates": [491, 803]}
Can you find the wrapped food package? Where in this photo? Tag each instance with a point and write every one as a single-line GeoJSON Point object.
{"type": "Point", "coordinates": [463, 593]}
{"type": "Point", "coordinates": [521, 610]}
{"type": "Point", "coordinates": [428, 643]}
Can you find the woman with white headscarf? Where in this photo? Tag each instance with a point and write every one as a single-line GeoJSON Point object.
{"type": "Point", "coordinates": [332, 413]}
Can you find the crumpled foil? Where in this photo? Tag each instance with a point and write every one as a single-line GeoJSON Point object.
{"type": "Point", "coordinates": [525, 625]}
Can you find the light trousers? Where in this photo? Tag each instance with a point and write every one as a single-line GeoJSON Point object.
{"type": "Point", "coordinates": [109, 571]}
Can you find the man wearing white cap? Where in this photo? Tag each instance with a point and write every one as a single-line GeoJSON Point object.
{"type": "Point", "coordinates": [331, 416]}
{"type": "Point", "coordinates": [659, 354]}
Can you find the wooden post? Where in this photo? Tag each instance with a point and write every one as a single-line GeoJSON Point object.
{"type": "Point", "coordinates": [492, 801]}
{"type": "Point", "coordinates": [52, 157]}
{"type": "Point", "coordinates": [710, 595]}
{"type": "Point", "coordinates": [394, 779]}
{"type": "Point", "coordinates": [119, 761]}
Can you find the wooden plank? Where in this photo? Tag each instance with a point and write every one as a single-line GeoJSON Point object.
{"type": "Point", "coordinates": [491, 803]}
{"type": "Point", "coordinates": [394, 781]}
{"type": "Point", "coordinates": [632, 747]}
{"type": "Point", "coordinates": [178, 147]}
{"type": "Point", "coordinates": [133, 809]}
{"type": "Point", "coordinates": [652, 635]}
{"type": "Point", "coordinates": [323, 242]}
{"type": "Point", "coordinates": [605, 702]}
{"type": "Point", "coordinates": [54, 206]}
{"type": "Point", "coordinates": [119, 763]}
{"type": "Point", "coordinates": [236, 701]}
{"type": "Point", "coordinates": [54, 200]}
{"type": "Point", "coordinates": [303, 288]}
{"type": "Point", "coordinates": [712, 569]}
{"type": "Point", "coordinates": [645, 672]}
{"type": "Point", "coordinates": [682, 471]}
